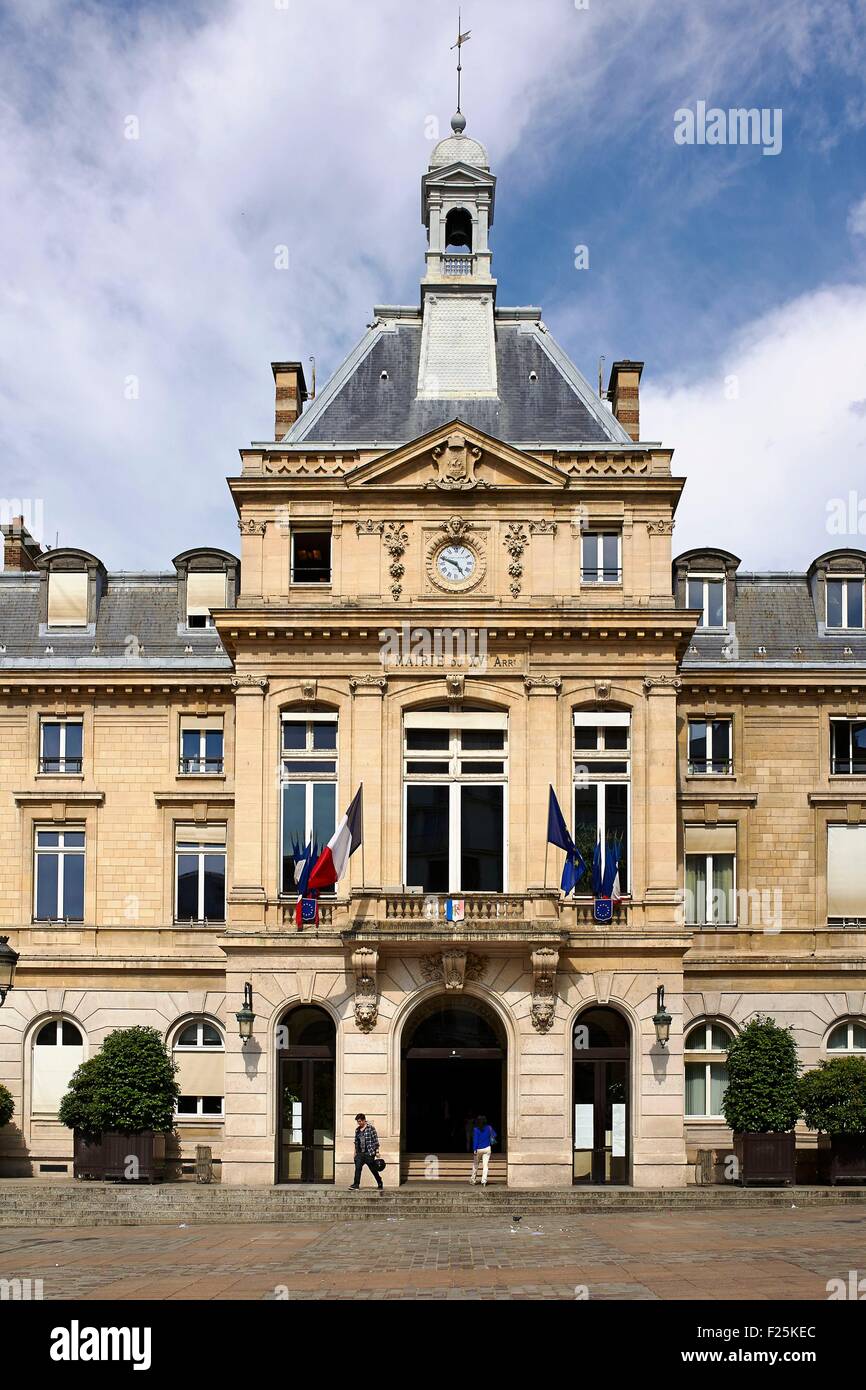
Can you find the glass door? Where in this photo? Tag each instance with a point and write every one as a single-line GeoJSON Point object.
{"type": "Point", "coordinates": [601, 1123]}
{"type": "Point", "coordinates": [307, 1094]}
{"type": "Point", "coordinates": [601, 1097]}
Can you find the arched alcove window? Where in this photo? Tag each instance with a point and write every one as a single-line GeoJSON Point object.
{"type": "Point", "coordinates": [849, 1036]}
{"type": "Point", "coordinates": [199, 1054]}
{"type": "Point", "coordinates": [706, 1048]}
{"type": "Point", "coordinates": [58, 1051]}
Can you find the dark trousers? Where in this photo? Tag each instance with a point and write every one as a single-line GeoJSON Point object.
{"type": "Point", "coordinates": [363, 1161]}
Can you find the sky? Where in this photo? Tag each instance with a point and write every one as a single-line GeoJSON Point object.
{"type": "Point", "coordinates": [192, 190]}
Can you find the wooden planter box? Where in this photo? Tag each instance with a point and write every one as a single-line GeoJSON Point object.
{"type": "Point", "coordinates": [769, 1158]}
{"type": "Point", "coordinates": [844, 1157]}
{"type": "Point", "coordinates": [107, 1159]}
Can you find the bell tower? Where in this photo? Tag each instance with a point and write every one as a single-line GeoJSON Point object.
{"type": "Point", "coordinates": [458, 348]}
{"type": "Point", "coordinates": [457, 198]}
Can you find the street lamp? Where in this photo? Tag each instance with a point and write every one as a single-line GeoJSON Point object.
{"type": "Point", "coordinates": [661, 1018]}
{"type": "Point", "coordinates": [245, 1016]}
{"type": "Point", "coordinates": [8, 962]}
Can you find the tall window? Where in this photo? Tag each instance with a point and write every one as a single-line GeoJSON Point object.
{"type": "Point", "coordinates": [199, 1054]}
{"type": "Point", "coordinates": [58, 1051]}
{"type": "Point", "coordinates": [308, 772]}
{"type": "Point", "coordinates": [59, 875]}
{"type": "Point", "coordinates": [848, 746]}
{"type": "Point", "coordinates": [707, 592]}
{"type": "Point", "coordinates": [601, 557]}
{"type": "Point", "coordinates": [205, 589]}
{"type": "Point", "coordinates": [200, 878]}
{"type": "Point", "coordinates": [706, 1048]}
{"type": "Point", "coordinates": [845, 602]}
{"type": "Point", "coordinates": [201, 746]}
{"type": "Point", "coordinates": [455, 768]}
{"type": "Point", "coordinates": [711, 857]}
{"type": "Point", "coordinates": [602, 786]}
{"type": "Point", "coordinates": [848, 1037]}
{"type": "Point", "coordinates": [311, 557]}
{"type": "Point", "coordinates": [710, 746]}
{"type": "Point", "coordinates": [60, 745]}
{"type": "Point", "coordinates": [846, 875]}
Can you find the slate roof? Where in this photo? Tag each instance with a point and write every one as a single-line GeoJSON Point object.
{"type": "Point", "coordinates": [141, 606]}
{"type": "Point", "coordinates": [775, 611]}
{"type": "Point", "coordinates": [358, 407]}
{"type": "Point", "coordinates": [772, 611]}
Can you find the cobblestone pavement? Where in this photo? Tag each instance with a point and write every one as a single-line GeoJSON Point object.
{"type": "Point", "coordinates": [759, 1254]}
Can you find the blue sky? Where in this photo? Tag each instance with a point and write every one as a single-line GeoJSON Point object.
{"type": "Point", "coordinates": [140, 305]}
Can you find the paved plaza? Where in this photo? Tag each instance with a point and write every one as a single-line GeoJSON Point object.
{"type": "Point", "coordinates": [777, 1254]}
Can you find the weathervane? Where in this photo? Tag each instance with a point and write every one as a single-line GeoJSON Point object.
{"type": "Point", "coordinates": [461, 39]}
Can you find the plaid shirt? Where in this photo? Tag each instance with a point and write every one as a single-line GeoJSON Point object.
{"type": "Point", "coordinates": [367, 1141]}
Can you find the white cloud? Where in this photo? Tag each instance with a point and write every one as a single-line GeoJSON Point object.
{"type": "Point", "coordinates": [773, 435]}
{"type": "Point", "coordinates": [153, 258]}
{"type": "Point", "coordinates": [857, 218]}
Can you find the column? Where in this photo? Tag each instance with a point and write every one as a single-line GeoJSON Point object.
{"type": "Point", "coordinates": [251, 815]}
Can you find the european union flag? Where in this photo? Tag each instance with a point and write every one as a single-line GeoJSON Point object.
{"type": "Point", "coordinates": [557, 834]}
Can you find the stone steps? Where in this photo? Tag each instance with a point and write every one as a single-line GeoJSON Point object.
{"type": "Point", "coordinates": [25, 1203]}
{"type": "Point", "coordinates": [450, 1168]}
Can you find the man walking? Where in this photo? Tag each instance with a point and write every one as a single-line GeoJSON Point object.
{"type": "Point", "coordinates": [366, 1152]}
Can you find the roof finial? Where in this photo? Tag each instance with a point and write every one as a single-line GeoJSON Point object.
{"type": "Point", "coordinates": [458, 120]}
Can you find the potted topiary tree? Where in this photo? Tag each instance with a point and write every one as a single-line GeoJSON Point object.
{"type": "Point", "coordinates": [833, 1101]}
{"type": "Point", "coordinates": [7, 1106]}
{"type": "Point", "coordinates": [761, 1103]}
{"type": "Point", "coordinates": [120, 1105]}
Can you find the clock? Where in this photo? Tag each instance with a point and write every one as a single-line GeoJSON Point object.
{"type": "Point", "coordinates": [456, 563]}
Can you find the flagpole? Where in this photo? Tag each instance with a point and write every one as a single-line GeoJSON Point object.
{"type": "Point", "coordinates": [546, 852]}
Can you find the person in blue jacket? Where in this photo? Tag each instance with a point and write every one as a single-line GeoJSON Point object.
{"type": "Point", "coordinates": [483, 1138]}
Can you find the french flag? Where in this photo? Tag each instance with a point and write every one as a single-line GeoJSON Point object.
{"type": "Point", "coordinates": [334, 859]}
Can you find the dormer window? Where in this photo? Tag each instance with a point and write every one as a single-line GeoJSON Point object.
{"type": "Point", "coordinates": [707, 593]}
{"type": "Point", "coordinates": [205, 590]}
{"type": "Point", "coordinates": [67, 598]}
{"type": "Point", "coordinates": [845, 601]}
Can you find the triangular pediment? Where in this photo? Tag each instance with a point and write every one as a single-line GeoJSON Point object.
{"type": "Point", "coordinates": [460, 173]}
{"type": "Point", "coordinates": [456, 458]}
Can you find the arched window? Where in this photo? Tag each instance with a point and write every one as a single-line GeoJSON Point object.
{"type": "Point", "coordinates": [58, 1051]}
{"type": "Point", "coordinates": [199, 1054]}
{"type": "Point", "coordinates": [706, 1048]}
{"type": "Point", "coordinates": [849, 1036]}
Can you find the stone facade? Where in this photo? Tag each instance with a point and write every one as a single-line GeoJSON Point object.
{"type": "Point", "coordinates": [551, 647]}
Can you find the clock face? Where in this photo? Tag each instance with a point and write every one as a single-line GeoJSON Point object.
{"type": "Point", "coordinates": [456, 563]}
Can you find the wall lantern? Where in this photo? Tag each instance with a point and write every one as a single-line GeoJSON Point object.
{"type": "Point", "coordinates": [8, 962]}
{"type": "Point", "coordinates": [245, 1016]}
{"type": "Point", "coordinates": [661, 1018]}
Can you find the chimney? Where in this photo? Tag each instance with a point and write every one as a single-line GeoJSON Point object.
{"type": "Point", "coordinates": [291, 392]}
{"type": "Point", "coordinates": [20, 550]}
{"type": "Point", "coordinates": [623, 391]}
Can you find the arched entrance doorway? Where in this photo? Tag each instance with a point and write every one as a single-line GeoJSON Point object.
{"type": "Point", "coordinates": [602, 1120]}
{"type": "Point", "coordinates": [306, 1095]}
{"type": "Point", "coordinates": [453, 1069]}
